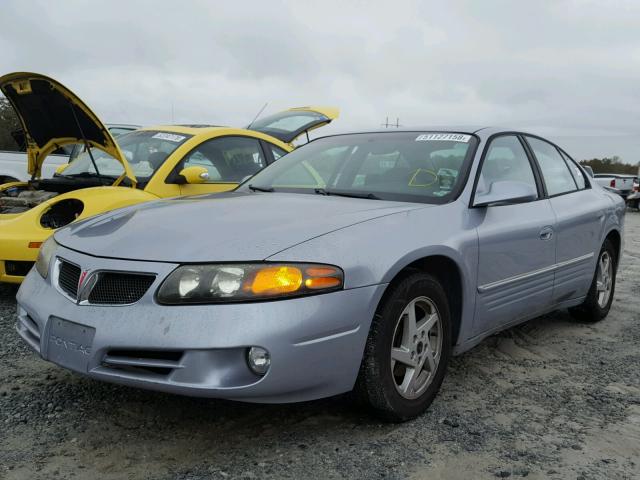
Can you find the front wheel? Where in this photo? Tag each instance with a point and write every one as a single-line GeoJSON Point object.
{"type": "Point", "coordinates": [598, 302]}
{"type": "Point", "coordinates": [408, 349]}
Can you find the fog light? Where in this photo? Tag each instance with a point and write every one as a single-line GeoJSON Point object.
{"type": "Point", "coordinates": [259, 360]}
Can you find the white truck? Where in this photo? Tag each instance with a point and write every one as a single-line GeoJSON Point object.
{"type": "Point", "coordinates": [13, 165]}
{"type": "Point", "coordinates": [622, 184]}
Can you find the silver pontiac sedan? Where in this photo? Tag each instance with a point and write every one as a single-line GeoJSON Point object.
{"type": "Point", "coordinates": [359, 262]}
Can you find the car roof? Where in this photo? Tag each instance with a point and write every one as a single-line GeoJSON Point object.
{"type": "Point", "coordinates": [191, 129]}
{"type": "Point", "coordinates": [480, 130]}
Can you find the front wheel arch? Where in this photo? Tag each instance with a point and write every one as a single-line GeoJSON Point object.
{"type": "Point", "coordinates": [448, 273]}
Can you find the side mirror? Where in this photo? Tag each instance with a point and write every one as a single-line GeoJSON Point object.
{"type": "Point", "coordinates": [505, 193]}
{"type": "Point", "coordinates": [61, 168]}
{"type": "Point", "coordinates": [195, 175]}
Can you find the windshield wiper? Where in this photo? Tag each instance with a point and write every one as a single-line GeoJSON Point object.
{"type": "Point", "coordinates": [346, 193]}
{"type": "Point", "coordinates": [87, 175]}
{"type": "Point", "coordinates": [253, 188]}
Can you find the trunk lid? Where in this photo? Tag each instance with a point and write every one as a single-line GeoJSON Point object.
{"type": "Point", "coordinates": [290, 124]}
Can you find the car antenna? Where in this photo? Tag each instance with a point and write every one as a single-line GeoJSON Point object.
{"type": "Point", "coordinates": [86, 144]}
{"type": "Point", "coordinates": [257, 115]}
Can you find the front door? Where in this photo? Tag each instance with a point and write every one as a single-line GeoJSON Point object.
{"type": "Point", "coordinates": [516, 243]}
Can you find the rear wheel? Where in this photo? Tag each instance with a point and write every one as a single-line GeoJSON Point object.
{"type": "Point", "coordinates": [408, 349]}
{"type": "Point", "coordinates": [598, 302]}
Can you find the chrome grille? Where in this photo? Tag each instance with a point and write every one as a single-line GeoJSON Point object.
{"type": "Point", "coordinates": [118, 288]}
{"type": "Point", "coordinates": [68, 278]}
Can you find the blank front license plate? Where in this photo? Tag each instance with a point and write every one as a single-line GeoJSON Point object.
{"type": "Point", "coordinates": [70, 344]}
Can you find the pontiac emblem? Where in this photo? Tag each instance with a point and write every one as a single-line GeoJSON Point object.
{"type": "Point", "coordinates": [83, 275]}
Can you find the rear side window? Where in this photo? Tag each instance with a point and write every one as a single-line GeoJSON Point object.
{"type": "Point", "coordinates": [557, 177]}
{"type": "Point", "coordinates": [506, 160]}
{"type": "Point", "coordinates": [577, 173]}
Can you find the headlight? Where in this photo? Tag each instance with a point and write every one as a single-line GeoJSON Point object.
{"type": "Point", "coordinates": [47, 250]}
{"type": "Point", "coordinates": [247, 282]}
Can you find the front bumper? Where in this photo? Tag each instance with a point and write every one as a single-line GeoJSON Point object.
{"type": "Point", "coordinates": [15, 251]}
{"type": "Point", "coordinates": [316, 343]}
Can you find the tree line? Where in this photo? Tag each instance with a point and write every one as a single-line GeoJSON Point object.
{"type": "Point", "coordinates": [611, 165]}
{"type": "Point", "coordinates": [9, 124]}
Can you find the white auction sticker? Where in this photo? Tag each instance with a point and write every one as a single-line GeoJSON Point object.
{"type": "Point", "coordinates": [447, 137]}
{"type": "Point", "coordinates": [168, 136]}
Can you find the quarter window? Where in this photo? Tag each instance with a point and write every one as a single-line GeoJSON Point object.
{"type": "Point", "coordinates": [277, 152]}
{"type": "Point", "coordinates": [555, 171]}
{"type": "Point", "coordinates": [227, 159]}
{"type": "Point", "coordinates": [506, 160]}
{"type": "Point", "coordinates": [577, 173]}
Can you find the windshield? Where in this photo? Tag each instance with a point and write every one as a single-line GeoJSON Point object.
{"type": "Point", "coordinates": [403, 166]}
{"type": "Point", "coordinates": [145, 150]}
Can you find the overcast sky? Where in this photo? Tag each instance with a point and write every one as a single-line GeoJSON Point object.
{"type": "Point", "coordinates": [568, 69]}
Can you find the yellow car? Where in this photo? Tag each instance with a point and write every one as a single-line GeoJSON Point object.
{"type": "Point", "coordinates": [147, 164]}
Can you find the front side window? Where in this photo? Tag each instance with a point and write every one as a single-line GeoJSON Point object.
{"type": "Point", "coordinates": [556, 174]}
{"type": "Point", "coordinates": [405, 166]}
{"type": "Point", "coordinates": [506, 160]}
{"type": "Point", "coordinates": [145, 151]}
{"type": "Point", "coordinates": [227, 159]}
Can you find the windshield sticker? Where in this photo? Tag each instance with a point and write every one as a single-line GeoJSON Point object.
{"type": "Point", "coordinates": [169, 136]}
{"type": "Point", "coordinates": [447, 137]}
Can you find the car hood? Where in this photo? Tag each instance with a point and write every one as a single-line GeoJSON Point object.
{"type": "Point", "coordinates": [233, 226]}
{"type": "Point", "coordinates": [53, 116]}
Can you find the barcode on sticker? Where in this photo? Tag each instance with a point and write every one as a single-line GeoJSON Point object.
{"type": "Point", "coordinates": [171, 137]}
{"type": "Point", "coordinates": [447, 137]}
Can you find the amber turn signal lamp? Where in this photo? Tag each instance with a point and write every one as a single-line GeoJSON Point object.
{"type": "Point", "coordinates": [276, 280]}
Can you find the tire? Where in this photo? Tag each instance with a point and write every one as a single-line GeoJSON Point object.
{"type": "Point", "coordinates": [376, 385]}
{"type": "Point", "coordinates": [595, 308]}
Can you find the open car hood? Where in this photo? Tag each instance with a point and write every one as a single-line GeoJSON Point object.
{"type": "Point", "coordinates": [53, 116]}
{"type": "Point", "coordinates": [290, 124]}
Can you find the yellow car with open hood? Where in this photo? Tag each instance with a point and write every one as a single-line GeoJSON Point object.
{"type": "Point", "coordinates": [147, 164]}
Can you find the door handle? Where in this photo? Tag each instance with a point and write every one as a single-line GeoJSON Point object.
{"type": "Point", "coordinates": [546, 233]}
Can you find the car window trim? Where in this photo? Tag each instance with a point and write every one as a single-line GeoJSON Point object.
{"type": "Point", "coordinates": [542, 194]}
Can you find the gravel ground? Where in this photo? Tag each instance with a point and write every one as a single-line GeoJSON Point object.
{"type": "Point", "coordinates": [549, 399]}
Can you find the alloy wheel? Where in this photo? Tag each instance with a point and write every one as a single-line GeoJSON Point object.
{"type": "Point", "coordinates": [416, 347]}
{"type": "Point", "coordinates": [604, 279]}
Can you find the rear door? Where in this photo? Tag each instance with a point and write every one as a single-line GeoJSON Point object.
{"type": "Point", "coordinates": [516, 242]}
{"type": "Point", "coordinates": [288, 125]}
{"type": "Point", "coordinates": [580, 215]}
